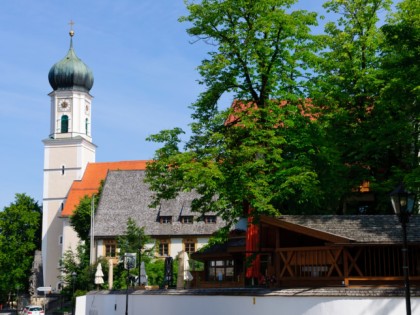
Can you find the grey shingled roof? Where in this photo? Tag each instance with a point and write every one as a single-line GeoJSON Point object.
{"type": "Point", "coordinates": [360, 228]}
{"type": "Point", "coordinates": [183, 205]}
{"type": "Point", "coordinates": [126, 195]}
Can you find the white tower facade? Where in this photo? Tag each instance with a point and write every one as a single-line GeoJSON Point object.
{"type": "Point", "coordinates": [70, 114]}
{"type": "Point", "coordinates": [67, 151]}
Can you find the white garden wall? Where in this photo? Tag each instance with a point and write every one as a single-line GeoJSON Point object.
{"type": "Point", "coordinates": [178, 303]}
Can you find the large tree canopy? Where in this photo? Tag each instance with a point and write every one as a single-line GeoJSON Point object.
{"type": "Point", "coordinates": [81, 218]}
{"type": "Point", "coordinates": [401, 93]}
{"type": "Point", "coordinates": [261, 153]}
{"type": "Point", "coordinates": [20, 236]}
{"type": "Point", "coordinates": [367, 79]}
{"type": "Point", "coordinates": [312, 117]}
{"type": "Point", "coordinates": [348, 87]}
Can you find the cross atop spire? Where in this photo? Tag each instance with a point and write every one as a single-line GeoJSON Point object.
{"type": "Point", "coordinates": [71, 23]}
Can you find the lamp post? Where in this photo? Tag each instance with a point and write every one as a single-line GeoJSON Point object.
{"type": "Point", "coordinates": [73, 278]}
{"type": "Point", "coordinates": [17, 296]}
{"type": "Point", "coordinates": [92, 230]}
{"type": "Point", "coordinates": [129, 263]}
{"type": "Point", "coordinates": [140, 262]}
{"type": "Point", "coordinates": [403, 204]}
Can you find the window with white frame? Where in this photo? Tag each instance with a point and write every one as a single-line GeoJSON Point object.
{"type": "Point", "coordinates": [210, 219]}
{"type": "Point", "coordinates": [165, 219]}
{"type": "Point", "coordinates": [187, 219]}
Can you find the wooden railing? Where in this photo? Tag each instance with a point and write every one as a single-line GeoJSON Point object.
{"type": "Point", "coordinates": [200, 282]}
{"type": "Point", "coordinates": [309, 265]}
{"type": "Point", "coordinates": [328, 265]}
{"type": "Point", "coordinates": [342, 265]}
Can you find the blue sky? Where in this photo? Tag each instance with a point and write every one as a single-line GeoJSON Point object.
{"type": "Point", "coordinates": [143, 64]}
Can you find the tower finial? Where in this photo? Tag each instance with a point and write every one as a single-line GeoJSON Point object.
{"type": "Point", "coordinates": [71, 23]}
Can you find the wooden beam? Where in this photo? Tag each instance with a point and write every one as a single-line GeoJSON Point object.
{"type": "Point", "coordinates": [278, 222]}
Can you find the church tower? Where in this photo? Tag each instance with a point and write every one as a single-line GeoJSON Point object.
{"type": "Point", "coordinates": [67, 151]}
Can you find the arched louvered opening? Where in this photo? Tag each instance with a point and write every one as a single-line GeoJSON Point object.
{"type": "Point", "coordinates": [64, 124]}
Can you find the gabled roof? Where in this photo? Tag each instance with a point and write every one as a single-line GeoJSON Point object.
{"type": "Point", "coordinates": [334, 229]}
{"type": "Point", "coordinates": [90, 182]}
{"type": "Point", "coordinates": [362, 229]}
{"type": "Point", "coordinates": [126, 195]}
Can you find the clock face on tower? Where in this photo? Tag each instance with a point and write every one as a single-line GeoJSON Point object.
{"type": "Point", "coordinates": [87, 108]}
{"type": "Point", "coordinates": [64, 105]}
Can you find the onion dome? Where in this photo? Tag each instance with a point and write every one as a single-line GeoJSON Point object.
{"type": "Point", "coordinates": [71, 73]}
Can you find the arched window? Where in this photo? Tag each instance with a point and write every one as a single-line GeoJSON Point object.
{"type": "Point", "coordinates": [87, 126]}
{"type": "Point", "coordinates": [64, 124]}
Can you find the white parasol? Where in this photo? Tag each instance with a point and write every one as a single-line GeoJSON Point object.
{"type": "Point", "coordinates": [99, 275]}
{"type": "Point", "coordinates": [187, 274]}
{"type": "Point", "coordinates": [143, 275]}
{"type": "Point", "coordinates": [184, 273]}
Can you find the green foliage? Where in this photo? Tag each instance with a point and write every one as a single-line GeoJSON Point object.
{"type": "Point", "coordinates": [401, 93]}
{"type": "Point", "coordinates": [20, 236]}
{"type": "Point", "coordinates": [134, 240]}
{"type": "Point", "coordinates": [358, 124]}
{"type": "Point", "coordinates": [78, 276]}
{"type": "Point", "coordinates": [259, 154]}
{"type": "Point", "coordinates": [155, 272]}
{"type": "Point", "coordinates": [291, 157]}
{"type": "Point", "coordinates": [77, 263]}
{"type": "Point", "coordinates": [261, 47]}
{"type": "Point", "coordinates": [80, 219]}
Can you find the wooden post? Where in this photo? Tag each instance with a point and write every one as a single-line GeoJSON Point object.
{"type": "Point", "coordinates": [346, 267]}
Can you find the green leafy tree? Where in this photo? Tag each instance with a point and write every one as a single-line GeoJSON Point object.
{"type": "Point", "coordinates": [20, 236]}
{"type": "Point", "coordinates": [156, 271]}
{"type": "Point", "coordinates": [77, 274]}
{"type": "Point", "coordinates": [134, 241]}
{"type": "Point", "coordinates": [401, 93]}
{"type": "Point", "coordinates": [78, 262]}
{"type": "Point", "coordinates": [80, 219]}
{"type": "Point", "coordinates": [348, 87]}
{"type": "Point", "coordinates": [261, 154]}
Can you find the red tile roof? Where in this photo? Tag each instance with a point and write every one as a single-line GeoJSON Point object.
{"type": "Point", "coordinates": [89, 184]}
{"type": "Point", "coordinates": [241, 106]}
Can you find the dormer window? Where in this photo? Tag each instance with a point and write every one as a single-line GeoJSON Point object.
{"type": "Point", "coordinates": [210, 219]}
{"type": "Point", "coordinates": [165, 220]}
{"type": "Point", "coordinates": [187, 219]}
